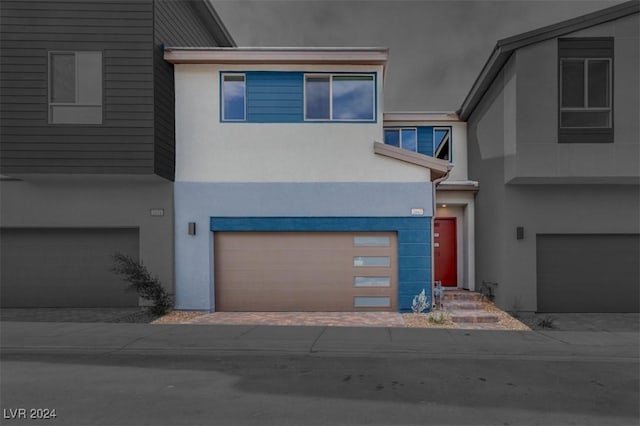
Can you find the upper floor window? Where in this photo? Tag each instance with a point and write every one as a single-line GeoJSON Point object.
{"type": "Point", "coordinates": [339, 97]}
{"type": "Point", "coordinates": [405, 138]}
{"type": "Point", "coordinates": [585, 90]}
{"type": "Point", "coordinates": [233, 97]}
{"type": "Point", "coordinates": [442, 143]}
{"type": "Point", "coordinates": [75, 87]}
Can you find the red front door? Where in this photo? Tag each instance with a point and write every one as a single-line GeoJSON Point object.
{"type": "Point", "coordinates": [444, 251]}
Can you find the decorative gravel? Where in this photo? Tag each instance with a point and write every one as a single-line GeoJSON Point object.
{"type": "Point", "coordinates": [437, 319]}
{"type": "Point", "coordinates": [178, 317]}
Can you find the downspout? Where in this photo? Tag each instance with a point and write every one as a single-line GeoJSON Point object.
{"type": "Point", "coordinates": [433, 219]}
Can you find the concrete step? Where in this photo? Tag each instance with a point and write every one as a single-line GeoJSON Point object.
{"type": "Point", "coordinates": [454, 305]}
{"type": "Point", "coordinates": [473, 316]}
{"type": "Point", "coordinates": [461, 295]}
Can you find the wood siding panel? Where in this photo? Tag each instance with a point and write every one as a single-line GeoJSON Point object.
{"type": "Point", "coordinates": [123, 31]}
{"type": "Point", "coordinates": [275, 97]}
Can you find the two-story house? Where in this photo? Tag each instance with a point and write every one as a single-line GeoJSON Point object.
{"type": "Point", "coordinates": [87, 150]}
{"type": "Point", "coordinates": [286, 197]}
{"type": "Point", "coordinates": [553, 139]}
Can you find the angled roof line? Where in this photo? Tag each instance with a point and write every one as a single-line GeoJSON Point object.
{"type": "Point", "coordinates": [505, 47]}
{"type": "Point", "coordinates": [213, 22]}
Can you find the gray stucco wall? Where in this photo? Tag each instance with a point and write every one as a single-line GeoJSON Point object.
{"type": "Point", "coordinates": [538, 156]}
{"type": "Point", "coordinates": [506, 142]}
{"type": "Point", "coordinates": [92, 201]}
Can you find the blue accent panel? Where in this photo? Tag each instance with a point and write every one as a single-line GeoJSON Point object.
{"type": "Point", "coordinates": [417, 249]}
{"type": "Point", "coordinates": [425, 140]}
{"type": "Point", "coordinates": [413, 261]}
{"type": "Point", "coordinates": [323, 224]}
{"type": "Point", "coordinates": [275, 97]}
{"type": "Point", "coordinates": [414, 236]}
{"type": "Point", "coordinates": [412, 274]}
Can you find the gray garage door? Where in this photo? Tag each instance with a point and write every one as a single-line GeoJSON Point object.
{"type": "Point", "coordinates": [588, 273]}
{"type": "Point", "coordinates": [64, 267]}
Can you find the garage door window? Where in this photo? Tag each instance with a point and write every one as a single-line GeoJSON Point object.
{"type": "Point", "coordinates": [371, 281]}
{"type": "Point", "coordinates": [371, 261]}
{"type": "Point", "coordinates": [371, 241]}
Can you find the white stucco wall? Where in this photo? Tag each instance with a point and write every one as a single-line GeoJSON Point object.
{"type": "Point", "coordinates": [210, 151]}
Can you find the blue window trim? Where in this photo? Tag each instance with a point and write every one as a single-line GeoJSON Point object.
{"type": "Point", "coordinates": [221, 88]}
{"type": "Point", "coordinates": [221, 73]}
{"type": "Point", "coordinates": [414, 242]}
{"type": "Point", "coordinates": [331, 74]}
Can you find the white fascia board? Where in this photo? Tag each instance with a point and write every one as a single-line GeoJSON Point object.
{"type": "Point", "coordinates": [277, 55]}
{"type": "Point", "coordinates": [420, 117]}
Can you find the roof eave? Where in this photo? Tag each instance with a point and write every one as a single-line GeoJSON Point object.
{"type": "Point", "coordinates": [437, 167]}
{"type": "Point", "coordinates": [273, 55]}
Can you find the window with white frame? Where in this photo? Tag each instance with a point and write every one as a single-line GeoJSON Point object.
{"type": "Point", "coordinates": [339, 97]}
{"type": "Point", "coordinates": [234, 98]}
{"type": "Point", "coordinates": [405, 138]}
{"type": "Point", "coordinates": [75, 87]}
{"type": "Point", "coordinates": [585, 89]}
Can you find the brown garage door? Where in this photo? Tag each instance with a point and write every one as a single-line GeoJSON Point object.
{"type": "Point", "coordinates": [296, 271]}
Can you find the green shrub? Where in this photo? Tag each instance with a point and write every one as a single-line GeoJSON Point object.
{"type": "Point", "coordinates": [140, 280]}
{"type": "Point", "coordinates": [440, 318]}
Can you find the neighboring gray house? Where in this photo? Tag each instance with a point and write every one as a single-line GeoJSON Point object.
{"type": "Point", "coordinates": [554, 142]}
{"type": "Point", "coordinates": [88, 148]}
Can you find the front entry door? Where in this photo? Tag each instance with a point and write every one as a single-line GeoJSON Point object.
{"type": "Point", "coordinates": [444, 251]}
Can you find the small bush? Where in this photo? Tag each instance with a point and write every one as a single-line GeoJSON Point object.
{"type": "Point", "coordinates": [140, 280]}
{"type": "Point", "coordinates": [440, 318]}
{"type": "Point", "coordinates": [546, 322]}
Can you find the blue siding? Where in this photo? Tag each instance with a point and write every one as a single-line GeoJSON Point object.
{"type": "Point", "coordinates": [275, 97]}
{"type": "Point", "coordinates": [425, 140]}
{"type": "Point", "coordinates": [414, 237]}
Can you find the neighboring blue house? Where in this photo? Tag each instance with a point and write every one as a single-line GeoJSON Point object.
{"type": "Point", "coordinates": [286, 199]}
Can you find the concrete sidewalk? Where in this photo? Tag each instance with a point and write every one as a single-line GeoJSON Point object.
{"type": "Point", "coordinates": [31, 337]}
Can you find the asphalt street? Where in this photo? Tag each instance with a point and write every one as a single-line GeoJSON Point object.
{"type": "Point", "coordinates": [136, 374]}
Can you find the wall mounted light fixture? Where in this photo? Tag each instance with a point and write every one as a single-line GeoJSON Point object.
{"type": "Point", "coordinates": [520, 233]}
{"type": "Point", "coordinates": [192, 228]}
